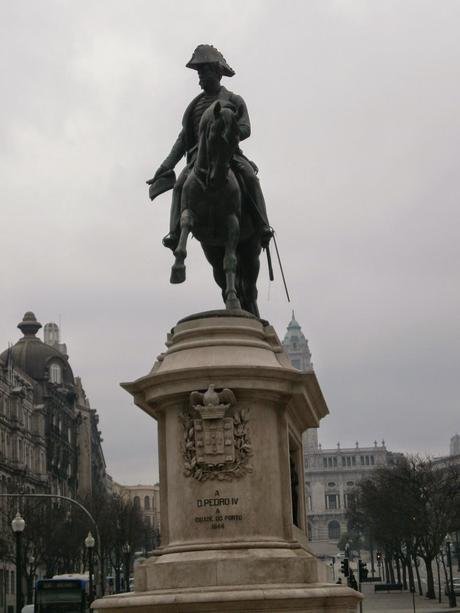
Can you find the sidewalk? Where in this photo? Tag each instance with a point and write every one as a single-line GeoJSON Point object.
{"type": "Point", "coordinates": [401, 602]}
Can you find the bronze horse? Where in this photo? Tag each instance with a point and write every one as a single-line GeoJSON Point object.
{"type": "Point", "coordinates": [211, 209]}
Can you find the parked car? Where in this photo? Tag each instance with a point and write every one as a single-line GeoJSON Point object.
{"type": "Point", "coordinates": [29, 608]}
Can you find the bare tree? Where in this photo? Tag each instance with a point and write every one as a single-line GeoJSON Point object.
{"type": "Point", "coordinates": [408, 509]}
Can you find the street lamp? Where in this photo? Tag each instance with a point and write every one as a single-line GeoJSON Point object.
{"type": "Point", "coordinates": [18, 524]}
{"type": "Point", "coordinates": [30, 579]}
{"type": "Point", "coordinates": [457, 550]}
{"type": "Point", "coordinates": [126, 551]}
{"type": "Point", "coordinates": [89, 544]}
{"type": "Point", "coordinates": [452, 598]}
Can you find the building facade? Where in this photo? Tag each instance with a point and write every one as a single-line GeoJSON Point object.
{"type": "Point", "coordinates": [49, 437]}
{"type": "Point", "coordinates": [147, 499]}
{"type": "Point", "coordinates": [454, 447]}
{"type": "Point", "coordinates": [58, 433]}
{"type": "Point", "coordinates": [330, 474]}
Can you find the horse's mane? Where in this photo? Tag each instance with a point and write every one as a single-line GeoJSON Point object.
{"type": "Point", "coordinates": [208, 115]}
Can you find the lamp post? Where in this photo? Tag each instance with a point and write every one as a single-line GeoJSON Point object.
{"type": "Point", "coordinates": [457, 550]}
{"type": "Point", "coordinates": [30, 579]}
{"type": "Point", "coordinates": [18, 524]}
{"type": "Point", "coordinates": [89, 544]}
{"type": "Point", "coordinates": [452, 598]}
{"type": "Point", "coordinates": [126, 551]}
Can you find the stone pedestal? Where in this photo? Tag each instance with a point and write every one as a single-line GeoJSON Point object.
{"type": "Point", "coordinates": [231, 411]}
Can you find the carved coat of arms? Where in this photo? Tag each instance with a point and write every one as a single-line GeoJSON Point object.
{"type": "Point", "coordinates": [216, 439]}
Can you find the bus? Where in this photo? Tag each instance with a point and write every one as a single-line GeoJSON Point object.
{"type": "Point", "coordinates": [62, 594]}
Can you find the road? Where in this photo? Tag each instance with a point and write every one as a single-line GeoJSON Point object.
{"type": "Point", "coordinates": [401, 602]}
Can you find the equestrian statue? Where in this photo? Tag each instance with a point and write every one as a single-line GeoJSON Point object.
{"type": "Point", "coordinates": [217, 197]}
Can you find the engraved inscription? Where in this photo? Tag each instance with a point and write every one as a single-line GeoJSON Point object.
{"type": "Point", "coordinates": [219, 519]}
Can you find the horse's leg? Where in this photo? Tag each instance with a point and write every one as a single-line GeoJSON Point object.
{"type": "Point", "coordinates": [248, 255]}
{"type": "Point", "coordinates": [180, 253]}
{"type": "Point", "coordinates": [230, 262]}
{"type": "Point", "coordinates": [215, 256]}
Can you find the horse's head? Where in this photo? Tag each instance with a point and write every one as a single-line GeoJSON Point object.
{"type": "Point", "coordinates": [222, 138]}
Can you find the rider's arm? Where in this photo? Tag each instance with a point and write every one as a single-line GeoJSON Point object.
{"type": "Point", "coordinates": [244, 123]}
{"type": "Point", "coordinates": [177, 152]}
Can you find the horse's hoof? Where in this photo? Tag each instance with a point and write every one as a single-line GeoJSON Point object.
{"type": "Point", "coordinates": [177, 274]}
{"type": "Point", "coordinates": [233, 304]}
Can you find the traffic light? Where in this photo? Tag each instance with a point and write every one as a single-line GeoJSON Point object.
{"type": "Point", "coordinates": [379, 557]}
{"type": "Point", "coordinates": [362, 571]}
{"type": "Point", "coordinates": [345, 567]}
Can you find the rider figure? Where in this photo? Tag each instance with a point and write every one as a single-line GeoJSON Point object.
{"type": "Point", "coordinates": [211, 66]}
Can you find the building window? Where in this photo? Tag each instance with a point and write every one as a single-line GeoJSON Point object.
{"type": "Point", "coordinates": [331, 484]}
{"type": "Point", "coordinates": [348, 500]}
{"type": "Point", "coordinates": [333, 530]}
{"type": "Point", "coordinates": [350, 483]}
{"type": "Point", "coordinates": [137, 502]}
{"type": "Point", "coordinates": [362, 460]}
{"type": "Point", "coordinates": [147, 503]}
{"type": "Point", "coordinates": [353, 460]}
{"type": "Point", "coordinates": [332, 501]}
{"type": "Point", "coordinates": [325, 462]}
{"type": "Point", "coordinates": [372, 460]}
{"type": "Point", "coordinates": [310, 531]}
{"type": "Point", "coordinates": [55, 373]}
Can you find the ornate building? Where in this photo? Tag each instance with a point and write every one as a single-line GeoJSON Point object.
{"type": "Point", "coordinates": [49, 437]}
{"type": "Point", "coordinates": [330, 474]}
{"type": "Point", "coordinates": [22, 432]}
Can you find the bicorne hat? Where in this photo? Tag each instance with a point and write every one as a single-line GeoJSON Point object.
{"type": "Point", "coordinates": [207, 54]}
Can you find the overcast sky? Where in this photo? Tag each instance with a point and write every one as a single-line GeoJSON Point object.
{"type": "Point", "coordinates": [355, 110]}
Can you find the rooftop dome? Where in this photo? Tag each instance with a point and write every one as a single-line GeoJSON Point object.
{"type": "Point", "coordinates": [33, 356]}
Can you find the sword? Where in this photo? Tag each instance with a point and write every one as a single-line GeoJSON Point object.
{"type": "Point", "coordinates": [281, 266]}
